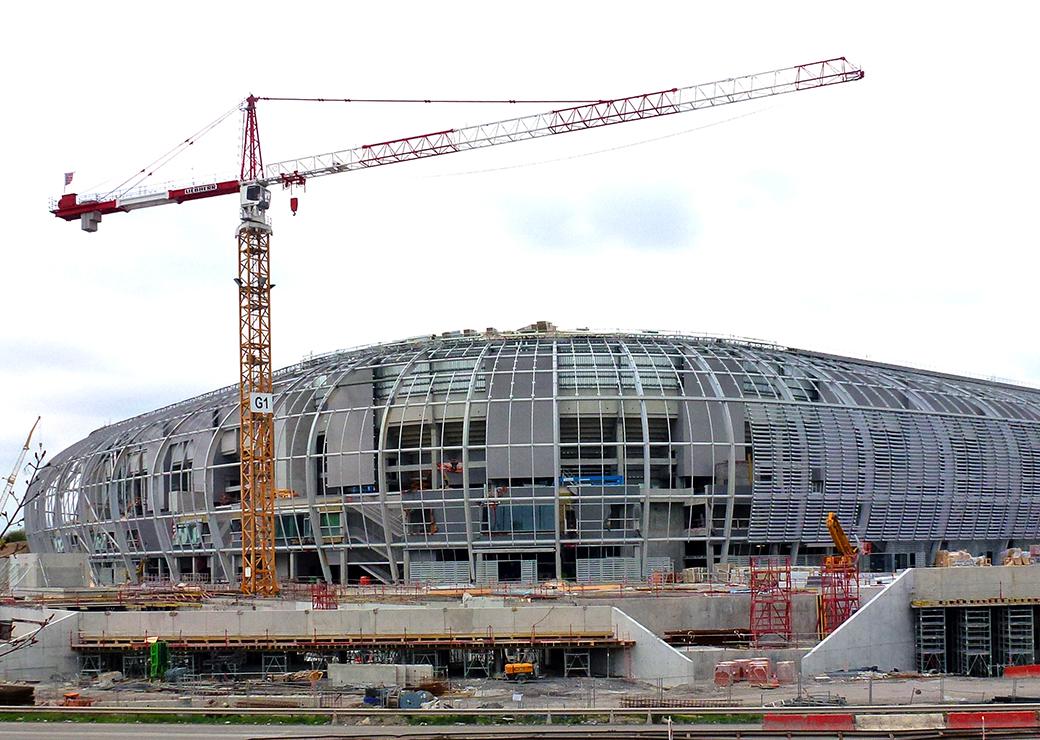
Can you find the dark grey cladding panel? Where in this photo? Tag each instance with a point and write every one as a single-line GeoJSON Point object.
{"type": "Point", "coordinates": [1026, 522]}
{"type": "Point", "coordinates": [350, 433]}
{"type": "Point", "coordinates": [926, 477]}
{"type": "Point", "coordinates": [705, 422]}
{"type": "Point", "coordinates": [520, 415]}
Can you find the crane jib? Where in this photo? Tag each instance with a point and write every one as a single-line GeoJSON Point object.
{"type": "Point", "coordinates": [70, 207]}
{"type": "Point", "coordinates": [562, 120]}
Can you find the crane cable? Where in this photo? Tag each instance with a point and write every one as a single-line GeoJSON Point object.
{"type": "Point", "coordinates": [150, 169]}
{"type": "Point", "coordinates": [595, 152]}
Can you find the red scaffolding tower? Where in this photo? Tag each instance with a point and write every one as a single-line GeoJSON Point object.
{"type": "Point", "coordinates": [770, 600]}
{"type": "Point", "coordinates": [839, 592]}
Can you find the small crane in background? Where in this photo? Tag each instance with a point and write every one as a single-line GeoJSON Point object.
{"type": "Point", "coordinates": [11, 504]}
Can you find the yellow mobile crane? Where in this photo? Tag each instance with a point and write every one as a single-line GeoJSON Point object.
{"type": "Point", "coordinates": [847, 554]}
{"type": "Point", "coordinates": [839, 580]}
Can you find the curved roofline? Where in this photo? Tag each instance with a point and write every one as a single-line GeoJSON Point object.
{"type": "Point", "coordinates": [551, 331]}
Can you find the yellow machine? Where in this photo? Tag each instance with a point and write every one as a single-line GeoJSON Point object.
{"type": "Point", "coordinates": [847, 554]}
{"type": "Point", "coordinates": [520, 670]}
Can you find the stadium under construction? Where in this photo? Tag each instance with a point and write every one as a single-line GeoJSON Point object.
{"type": "Point", "coordinates": [541, 454]}
{"type": "Point", "coordinates": [645, 507]}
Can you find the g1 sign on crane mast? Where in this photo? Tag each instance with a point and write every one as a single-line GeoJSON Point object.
{"type": "Point", "coordinates": [256, 402]}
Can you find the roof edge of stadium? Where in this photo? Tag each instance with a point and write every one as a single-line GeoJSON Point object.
{"type": "Point", "coordinates": [548, 329]}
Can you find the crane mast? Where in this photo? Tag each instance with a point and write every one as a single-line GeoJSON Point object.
{"type": "Point", "coordinates": [256, 402]}
{"type": "Point", "coordinates": [256, 386]}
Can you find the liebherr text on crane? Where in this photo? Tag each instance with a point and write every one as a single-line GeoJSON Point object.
{"type": "Point", "coordinates": [256, 401]}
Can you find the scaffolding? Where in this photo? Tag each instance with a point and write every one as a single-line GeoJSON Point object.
{"type": "Point", "coordinates": [478, 663]}
{"type": "Point", "coordinates": [577, 663]}
{"type": "Point", "coordinates": [273, 663]}
{"type": "Point", "coordinates": [323, 596]}
{"type": "Point", "coordinates": [135, 666]}
{"type": "Point", "coordinates": [1015, 636]}
{"type": "Point", "coordinates": [973, 642]}
{"type": "Point", "coordinates": [770, 600]}
{"type": "Point", "coordinates": [931, 641]}
{"type": "Point", "coordinates": [425, 658]}
{"type": "Point", "coordinates": [90, 666]}
{"type": "Point", "coordinates": [839, 593]}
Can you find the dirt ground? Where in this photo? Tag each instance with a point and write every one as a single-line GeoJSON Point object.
{"type": "Point", "coordinates": [570, 693]}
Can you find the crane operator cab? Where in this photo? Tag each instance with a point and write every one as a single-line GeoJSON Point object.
{"type": "Point", "coordinates": [254, 200]}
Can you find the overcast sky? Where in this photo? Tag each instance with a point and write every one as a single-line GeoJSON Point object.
{"type": "Point", "coordinates": [892, 218]}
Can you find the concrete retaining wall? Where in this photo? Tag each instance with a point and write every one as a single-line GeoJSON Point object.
{"type": "Point", "coordinates": [554, 619]}
{"type": "Point", "coordinates": [695, 611]}
{"type": "Point", "coordinates": [650, 658]}
{"type": "Point", "coordinates": [949, 584]}
{"type": "Point", "coordinates": [880, 634]}
{"type": "Point", "coordinates": [51, 654]}
{"type": "Point", "coordinates": [31, 571]}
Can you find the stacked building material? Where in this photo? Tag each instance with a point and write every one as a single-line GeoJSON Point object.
{"type": "Point", "coordinates": [727, 673]}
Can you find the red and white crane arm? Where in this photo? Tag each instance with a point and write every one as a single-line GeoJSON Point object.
{"type": "Point", "coordinates": [576, 118]}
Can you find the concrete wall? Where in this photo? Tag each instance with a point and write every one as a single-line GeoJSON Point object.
{"type": "Point", "coordinates": [947, 584]}
{"type": "Point", "coordinates": [51, 654]}
{"type": "Point", "coordinates": [31, 571]}
{"type": "Point", "coordinates": [432, 620]}
{"type": "Point", "coordinates": [693, 611]}
{"type": "Point", "coordinates": [378, 674]}
{"type": "Point", "coordinates": [881, 633]}
{"type": "Point", "coordinates": [649, 658]}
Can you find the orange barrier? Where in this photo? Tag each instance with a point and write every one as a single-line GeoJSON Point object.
{"type": "Point", "coordinates": [810, 722]}
{"type": "Point", "coordinates": [1022, 671]}
{"type": "Point", "coordinates": [990, 720]}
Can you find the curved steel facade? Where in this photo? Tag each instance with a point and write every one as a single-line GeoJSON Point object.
{"type": "Point", "coordinates": [540, 454]}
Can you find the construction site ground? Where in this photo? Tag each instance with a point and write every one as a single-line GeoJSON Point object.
{"type": "Point", "coordinates": [554, 693]}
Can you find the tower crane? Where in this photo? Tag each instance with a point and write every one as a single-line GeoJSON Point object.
{"type": "Point", "coordinates": [252, 185]}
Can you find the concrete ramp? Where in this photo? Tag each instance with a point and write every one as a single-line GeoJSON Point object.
{"type": "Point", "coordinates": [649, 658]}
{"type": "Point", "coordinates": [880, 634]}
{"type": "Point", "coordinates": [50, 654]}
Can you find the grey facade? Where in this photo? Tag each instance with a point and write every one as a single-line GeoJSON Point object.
{"type": "Point", "coordinates": [543, 454]}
